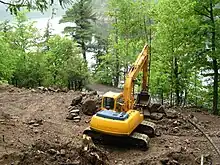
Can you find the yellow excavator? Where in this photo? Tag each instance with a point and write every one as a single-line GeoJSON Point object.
{"type": "Point", "coordinates": [121, 118]}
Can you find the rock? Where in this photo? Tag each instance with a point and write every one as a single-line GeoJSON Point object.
{"type": "Point", "coordinates": [62, 152]}
{"type": "Point", "coordinates": [175, 130]}
{"type": "Point", "coordinates": [31, 122]}
{"type": "Point", "coordinates": [75, 114]}
{"type": "Point", "coordinates": [36, 124]}
{"type": "Point", "coordinates": [93, 93]}
{"type": "Point", "coordinates": [161, 109]}
{"type": "Point", "coordinates": [156, 116]}
{"type": "Point", "coordinates": [70, 116]}
{"type": "Point", "coordinates": [89, 107]}
{"type": "Point", "coordinates": [35, 130]}
{"type": "Point", "coordinates": [87, 121]}
{"type": "Point", "coordinates": [45, 89]}
{"type": "Point", "coordinates": [65, 90]}
{"type": "Point", "coordinates": [33, 90]}
{"type": "Point", "coordinates": [174, 162]}
{"type": "Point", "coordinates": [83, 94]}
{"type": "Point", "coordinates": [52, 151]}
{"type": "Point", "coordinates": [176, 123]}
{"type": "Point", "coordinates": [70, 107]}
{"type": "Point", "coordinates": [76, 121]}
{"type": "Point", "coordinates": [51, 89]}
{"type": "Point", "coordinates": [157, 108]}
{"type": "Point", "coordinates": [164, 160]}
{"type": "Point", "coordinates": [146, 113]}
{"type": "Point", "coordinates": [76, 100]}
{"type": "Point", "coordinates": [171, 114]}
{"type": "Point", "coordinates": [41, 88]}
{"type": "Point", "coordinates": [75, 111]}
{"type": "Point", "coordinates": [187, 141]}
{"type": "Point", "coordinates": [77, 118]}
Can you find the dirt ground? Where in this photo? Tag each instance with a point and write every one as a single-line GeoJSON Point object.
{"type": "Point", "coordinates": [34, 130]}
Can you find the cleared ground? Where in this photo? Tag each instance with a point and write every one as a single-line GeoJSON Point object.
{"type": "Point", "coordinates": [179, 141]}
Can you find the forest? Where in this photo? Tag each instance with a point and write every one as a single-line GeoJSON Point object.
{"type": "Point", "coordinates": [183, 35]}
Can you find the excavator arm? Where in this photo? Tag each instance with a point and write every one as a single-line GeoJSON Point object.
{"type": "Point", "coordinates": [140, 64]}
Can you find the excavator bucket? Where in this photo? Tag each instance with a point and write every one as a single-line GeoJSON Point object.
{"type": "Point", "coordinates": [143, 99]}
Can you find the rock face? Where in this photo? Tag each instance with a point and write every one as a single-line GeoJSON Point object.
{"type": "Point", "coordinates": [76, 100]}
{"type": "Point", "coordinates": [89, 107]}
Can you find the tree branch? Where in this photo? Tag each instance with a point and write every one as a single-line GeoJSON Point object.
{"type": "Point", "coordinates": [206, 8]}
{"type": "Point", "coordinates": [203, 14]}
{"type": "Point", "coordinates": [10, 4]}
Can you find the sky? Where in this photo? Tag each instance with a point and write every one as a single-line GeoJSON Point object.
{"type": "Point", "coordinates": [41, 20]}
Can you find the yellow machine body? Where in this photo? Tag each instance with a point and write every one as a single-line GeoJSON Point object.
{"type": "Point", "coordinates": [117, 127]}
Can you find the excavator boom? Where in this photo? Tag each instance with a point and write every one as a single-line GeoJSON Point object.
{"type": "Point", "coordinates": [141, 63]}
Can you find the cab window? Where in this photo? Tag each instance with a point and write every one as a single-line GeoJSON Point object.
{"type": "Point", "coordinates": [119, 103]}
{"type": "Point", "coordinates": [108, 103]}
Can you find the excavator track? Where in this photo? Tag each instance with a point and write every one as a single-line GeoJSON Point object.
{"type": "Point", "coordinates": [136, 139]}
{"type": "Point", "coordinates": [147, 128]}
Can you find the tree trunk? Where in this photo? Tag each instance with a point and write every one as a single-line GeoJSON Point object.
{"type": "Point", "coordinates": [162, 96]}
{"type": "Point", "coordinates": [150, 53]}
{"type": "Point", "coordinates": [214, 62]}
{"type": "Point", "coordinates": [177, 91]}
{"type": "Point", "coordinates": [215, 87]}
{"type": "Point", "coordinates": [185, 98]}
{"type": "Point", "coordinates": [117, 73]}
{"type": "Point", "coordinates": [83, 46]}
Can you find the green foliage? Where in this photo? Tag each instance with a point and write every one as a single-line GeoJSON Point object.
{"type": "Point", "coordinates": [64, 63]}
{"type": "Point", "coordinates": [25, 63]}
{"type": "Point", "coordinates": [15, 6]}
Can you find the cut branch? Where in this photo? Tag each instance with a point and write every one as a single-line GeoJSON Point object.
{"type": "Point", "coordinates": [207, 137]}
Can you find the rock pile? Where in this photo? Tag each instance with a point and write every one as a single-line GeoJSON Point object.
{"type": "Point", "coordinates": [87, 103]}
{"type": "Point", "coordinates": [157, 112]}
{"type": "Point", "coordinates": [42, 89]}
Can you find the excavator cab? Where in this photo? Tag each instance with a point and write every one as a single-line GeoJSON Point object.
{"type": "Point", "coordinates": [112, 101]}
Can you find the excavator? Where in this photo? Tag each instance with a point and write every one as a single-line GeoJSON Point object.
{"type": "Point", "coordinates": [121, 118]}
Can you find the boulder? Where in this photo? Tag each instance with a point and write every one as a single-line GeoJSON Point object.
{"type": "Point", "coordinates": [89, 107]}
{"type": "Point", "coordinates": [156, 107]}
{"type": "Point", "coordinates": [76, 100]}
{"type": "Point", "coordinates": [156, 116]}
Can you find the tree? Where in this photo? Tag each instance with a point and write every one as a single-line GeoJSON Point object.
{"type": "Point", "coordinates": [173, 43]}
{"type": "Point", "coordinates": [209, 12]}
{"type": "Point", "coordinates": [65, 67]}
{"type": "Point", "coordinates": [81, 17]}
